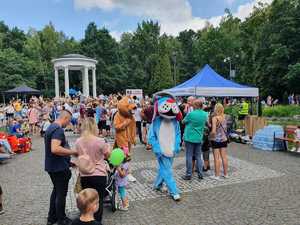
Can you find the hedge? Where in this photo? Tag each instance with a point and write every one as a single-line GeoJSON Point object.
{"type": "Point", "coordinates": [275, 111]}
{"type": "Point", "coordinates": [281, 111]}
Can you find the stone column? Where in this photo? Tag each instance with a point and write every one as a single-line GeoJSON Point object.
{"type": "Point", "coordinates": [67, 83]}
{"type": "Point", "coordinates": [86, 80]}
{"type": "Point", "coordinates": [94, 83]}
{"type": "Point", "coordinates": [83, 81]}
{"type": "Point", "coordinates": [56, 82]}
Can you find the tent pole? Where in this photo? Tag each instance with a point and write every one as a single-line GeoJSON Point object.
{"type": "Point", "coordinates": [251, 106]}
{"type": "Point", "coordinates": [259, 107]}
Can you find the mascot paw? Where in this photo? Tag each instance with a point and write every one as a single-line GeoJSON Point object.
{"type": "Point", "coordinates": [176, 197]}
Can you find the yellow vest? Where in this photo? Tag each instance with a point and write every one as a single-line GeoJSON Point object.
{"type": "Point", "coordinates": [245, 109]}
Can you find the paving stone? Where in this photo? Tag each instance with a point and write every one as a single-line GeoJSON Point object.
{"type": "Point", "coordinates": [263, 189]}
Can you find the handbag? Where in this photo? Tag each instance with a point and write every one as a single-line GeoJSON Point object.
{"type": "Point", "coordinates": [78, 187]}
{"type": "Point", "coordinates": [227, 136]}
{"type": "Point", "coordinates": [85, 163]}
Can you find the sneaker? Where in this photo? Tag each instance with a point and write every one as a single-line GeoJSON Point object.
{"type": "Point", "coordinates": [123, 208]}
{"type": "Point", "coordinates": [185, 177]}
{"type": "Point", "coordinates": [298, 150]}
{"type": "Point", "coordinates": [2, 211]}
{"type": "Point", "coordinates": [226, 176]}
{"type": "Point", "coordinates": [293, 149]}
{"type": "Point", "coordinates": [131, 178]}
{"type": "Point", "coordinates": [50, 223]}
{"type": "Point", "coordinates": [215, 178]}
{"type": "Point", "coordinates": [200, 177]}
{"type": "Point", "coordinates": [176, 197]}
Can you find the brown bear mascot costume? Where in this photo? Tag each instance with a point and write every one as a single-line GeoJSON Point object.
{"type": "Point", "coordinates": [125, 126]}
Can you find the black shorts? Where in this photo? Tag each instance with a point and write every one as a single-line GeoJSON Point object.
{"type": "Point", "coordinates": [107, 127]}
{"type": "Point", "coordinates": [144, 124]}
{"type": "Point", "coordinates": [216, 145]}
{"type": "Point", "coordinates": [102, 125]}
{"type": "Point", "coordinates": [205, 155]}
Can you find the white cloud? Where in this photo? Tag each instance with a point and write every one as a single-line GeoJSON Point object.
{"type": "Point", "coordinates": [229, 2]}
{"type": "Point", "coordinates": [116, 34]}
{"type": "Point", "coordinates": [173, 15]}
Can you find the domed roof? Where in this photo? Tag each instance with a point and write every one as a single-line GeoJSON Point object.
{"type": "Point", "coordinates": [74, 56]}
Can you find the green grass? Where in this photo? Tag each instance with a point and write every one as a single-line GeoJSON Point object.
{"type": "Point", "coordinates": [281, 111]}
{"type": "Point", "coordinates": [284, 122]}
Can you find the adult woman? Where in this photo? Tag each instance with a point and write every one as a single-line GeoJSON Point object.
{"type": "Point", "coordinates": [193, 138]}
{"type": "Point", "coordinates": [219, 141]}
{"type": "Point", "coordinates": [97, 150]}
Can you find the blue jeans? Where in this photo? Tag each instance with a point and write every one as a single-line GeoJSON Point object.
{"type": "Point", "coordinates": [193, 149]}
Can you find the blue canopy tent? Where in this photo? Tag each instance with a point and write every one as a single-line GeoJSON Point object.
{"type": "Point", "coordinates": [209, 83]}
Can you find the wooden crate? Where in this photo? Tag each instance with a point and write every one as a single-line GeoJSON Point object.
{"type": "Point", "coordinates": [254, 123]}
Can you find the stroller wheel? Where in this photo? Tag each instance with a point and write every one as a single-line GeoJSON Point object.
{"type": "Point", "coordinates": [114, 199]}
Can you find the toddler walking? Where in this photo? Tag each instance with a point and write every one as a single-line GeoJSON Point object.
{"type": "Point", "coordinates": [122, 182]}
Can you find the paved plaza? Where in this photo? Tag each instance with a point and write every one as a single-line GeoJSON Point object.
{"type": "Point", "coordinates": [263, 188]}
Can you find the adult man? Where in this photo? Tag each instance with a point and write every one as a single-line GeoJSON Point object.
{"type": "Point", "coordinates": [244, 110]}
{"type": "Point", "coordinates": [138, 121]}
{"type": "Point", "coordinates": [57, 163]}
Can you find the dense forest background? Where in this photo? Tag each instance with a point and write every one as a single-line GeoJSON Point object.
{"type": "Point", "coordinates": [264, 50]}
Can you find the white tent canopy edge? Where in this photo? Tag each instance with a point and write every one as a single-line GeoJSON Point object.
{"type": "Point", "coordinates": [215, 92]}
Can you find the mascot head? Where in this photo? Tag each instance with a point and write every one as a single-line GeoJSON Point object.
{"type": "Point", "coordinates": [165, 105]}
{"type": "Point", "coordinates": [126, 106]}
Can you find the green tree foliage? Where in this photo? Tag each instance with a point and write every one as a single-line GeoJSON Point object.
{"type": "Point", "coordinates": [264, 50]}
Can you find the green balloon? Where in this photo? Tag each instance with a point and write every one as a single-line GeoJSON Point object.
{"type": "Point", "coordinates": [116, 157]}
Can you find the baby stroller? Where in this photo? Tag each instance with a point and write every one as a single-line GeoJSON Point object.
{"type": "Point", "coordinates": [111, 191]}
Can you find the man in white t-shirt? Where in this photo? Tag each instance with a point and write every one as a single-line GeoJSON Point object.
{"type": "Point", "coordinates": [138, 121]}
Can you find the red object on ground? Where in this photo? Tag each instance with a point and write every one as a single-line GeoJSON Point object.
{"type": "Point", "coordinates": [3, 135]}
{"type": "Point", "coordinates": [14, 143]}
{"type": "Point", "coordinates": [21, 145]}
{"type": "Point", "coordinates": [24, 144]}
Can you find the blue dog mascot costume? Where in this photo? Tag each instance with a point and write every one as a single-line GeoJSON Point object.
{"type": "Point", "coordinates": [164, 136]}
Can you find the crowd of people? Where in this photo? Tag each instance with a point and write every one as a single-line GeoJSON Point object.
{"type": "Point", "coordinates": [203, 127]}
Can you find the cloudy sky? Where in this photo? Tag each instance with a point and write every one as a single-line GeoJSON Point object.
{"type": "Point", "coordinates": [72, 16]}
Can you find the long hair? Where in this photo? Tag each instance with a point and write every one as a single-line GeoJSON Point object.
{"type": "Point", "coordinates": [89, 127]}
{"type": "Point", "coordinates": [219, 109]}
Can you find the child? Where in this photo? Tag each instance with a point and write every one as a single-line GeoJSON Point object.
{"type": "Point", "coordinates": [87, 203]}
{"type": "Point", "coordinates": [122, 182]}
{"type": "Point", "coordinates": [46, 123]}
{"type": "Point", "coordinates": [25, 127]}
{"type": "Point", "coordinates": [74, 121]}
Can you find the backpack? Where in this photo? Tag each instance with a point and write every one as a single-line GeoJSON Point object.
{"type": "Point", "coordinates": [85, 164]}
